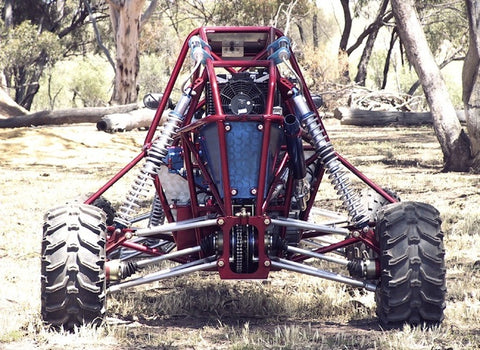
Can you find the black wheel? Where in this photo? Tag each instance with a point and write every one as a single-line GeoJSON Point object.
{"type": "Point", "coordinates": [102, 203]}
{"type": "Point", "coordinates": [107, 207]}
{"type": "Point", "coordinates": [73, 258]}
{"type": "Point", "coordinates": [373, 201]}
{"type": "Point", "coordinates": [412, 258]}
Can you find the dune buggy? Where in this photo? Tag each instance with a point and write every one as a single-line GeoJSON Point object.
{"type": "Point", "coordinates": [231, 176]}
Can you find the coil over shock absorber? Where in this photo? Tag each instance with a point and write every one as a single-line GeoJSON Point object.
{"type": "Point", "coordinates": [159, 148]}
{"type": "Point", "coordinates": [324, 148]}
{"type": "Point", "coordinates": [157, 152]}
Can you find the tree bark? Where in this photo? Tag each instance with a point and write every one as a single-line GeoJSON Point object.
{"type": "Point", "coordinates": [342, 49]}
{"type": "Point", "coordinates": [8, 107]}
{"type": "Point", "coordinates": [315, 30]}
{"type": "Point", "coordinates": [362, 117]}
{"type": "Point", "coordinates": [136, 119]}
{"type": "Point", "coordinates": [64, 116]}
{"type": "Point", "coordinates": [471, 82]}
{"type": "Point", "coordinates": [8, 14]}
{"type": "Point", "coordinates": [125, 16]}
{"type": "Point", "coordinates": [454, 142]}
{"type": "Point", "coordinates": [361, 76]}
{"type": "Point", "coordinates": [386, 66]}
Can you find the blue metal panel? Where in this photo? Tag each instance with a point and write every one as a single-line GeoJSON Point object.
{"type": "Point", "coordinates": [244, 146]}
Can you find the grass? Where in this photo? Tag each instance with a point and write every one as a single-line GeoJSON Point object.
{"type": "Point", "coordinates": [47, 166]}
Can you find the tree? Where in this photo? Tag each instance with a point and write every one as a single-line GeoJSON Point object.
{"type": "Point", "coordinates": [371, 33]}
{"type": "Point", "coordinates": [471, 82]}
{"type": "Point", "coordinates": [24, 53]}
{"type": "Point", "coordinates": [127, 21]}
{"type": "Point", "coordinates": [35, 35]}
{"type": "Point", "coordinates": [454, 142]}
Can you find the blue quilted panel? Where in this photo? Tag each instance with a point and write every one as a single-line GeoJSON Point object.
{"type": "Point", "coordinates": [244, 144]}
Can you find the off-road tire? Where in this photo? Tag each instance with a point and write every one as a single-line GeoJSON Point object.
{"type": "Point", "coordinates": [107, 207]}
{"type": "Point", "coordinates": [412, 285]}
{"type": "Point", "coordinates": [73, 259]}
{"type": "Point", "coordinates": [374, 201]}
{"type": "Point", "coordinates": [102, 203]}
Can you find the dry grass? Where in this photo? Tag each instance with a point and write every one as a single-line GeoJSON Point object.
{"type": "Point", "coordinates": [43, 167]}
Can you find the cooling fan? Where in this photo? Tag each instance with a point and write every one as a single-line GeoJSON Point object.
{"type": "Point", "coordinates": [241, 95]}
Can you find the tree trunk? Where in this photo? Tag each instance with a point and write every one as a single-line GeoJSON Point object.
{"type": "Point", "coordinates": [361, 76]}
{"type": "Point", "coordinates": [136, 119]}
{"type": "Point", "coordinates": [342, 49]}
{"type": "Point", "coordinates": [386, 66]}
{"type": "Point", "coordinates": [8, 107]}
{"type": "Point", "coordinates": [315, 30]}
{"type": "Point", "coordinates": [362, 117]}
{"type": "Point", "coordinates": [64, 116]}
{"type": "Point", "coordinates": [125, 16]}
{"type": "Point", "coordinates": [8, 14]}
{"type": "Point", "coordinates": [454, 142]}
{"type": "Point", "coordinates": [471, 82]}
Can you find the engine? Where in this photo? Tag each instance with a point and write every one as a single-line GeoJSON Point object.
{"type": "Point", "coordinates": [241, 94]}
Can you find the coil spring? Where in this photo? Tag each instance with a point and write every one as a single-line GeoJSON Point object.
{"type": "Point", "coordinates": [157, 217]}
{"type": "Point", "coordinates": [337, 175]}
{"type": "Point", "coordinates": [142, 184]}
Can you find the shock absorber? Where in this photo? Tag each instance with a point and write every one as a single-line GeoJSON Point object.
{"type": "Point", "coordinates": [155, 155]}
{"type": "Point", "coordinates": [159, 148]}
{"type": "Point", "coordinates": [157, 215]}
{"type": "Point", "coordinates": [324, 148]}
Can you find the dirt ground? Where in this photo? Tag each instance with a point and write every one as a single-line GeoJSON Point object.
{"type": "Point", "coordinates": [43, 167]}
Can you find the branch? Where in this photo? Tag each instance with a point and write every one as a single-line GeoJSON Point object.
{"type": "Point", "coordinates": [148, 13]}
{"type": "Point", "coordinates": [442, 65]}
{"type": "Point", "coordinates": [371, 28]}
{"type": "Point", "coordinates": [348, 25]}
{"type": "Point", "coordinates": [97, 34]}
{"type": "Point", "coordinates": [115, 4]}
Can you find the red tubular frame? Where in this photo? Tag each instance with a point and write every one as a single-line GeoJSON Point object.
{"type": "Point", "coordinates": [223, 207]}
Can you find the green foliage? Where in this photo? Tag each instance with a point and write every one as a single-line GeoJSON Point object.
{"type": "Point", "coordinates": [240, 12]}
{"type": "Point", "coordinates": [154, 73]}
{"type": "Point", "coordinates": [77, 82]}
{"type": "Point", "coordinates": [23, 46]}
{"type": "Point", "coordinates": [444, 21]}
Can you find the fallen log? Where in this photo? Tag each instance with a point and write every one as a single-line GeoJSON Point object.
{"type": "Point", "coordinates": [136, 119]}
{"type": "Point", "coordinates": [65, 116]}
{"type": "Point", "coordinates": [361, 117]}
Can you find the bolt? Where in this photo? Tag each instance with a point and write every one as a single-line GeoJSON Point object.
{"type": "Point", "coordinates": [220, 263]}
{"type": "Point", "coordinates": [128, 235]}
{"type": "Point", "coordinates": [228, 127]}
{"type": "Point", "coordinates": [253, 191]}
{"type": "Point", "coordinates": [266, 222]}
{"type": "Point", "coordinates": [260, 127]}
{"type": "Point", "coordinates": [220, 222]}
{"type": "Point", "coordinates": [366, 229]}
{"type": "Point", "coordinates": [356, 234]}
{"type": "Point", "coordinates": [234, 192]}
{"type": "Point", "coordinates": [266, 263]}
